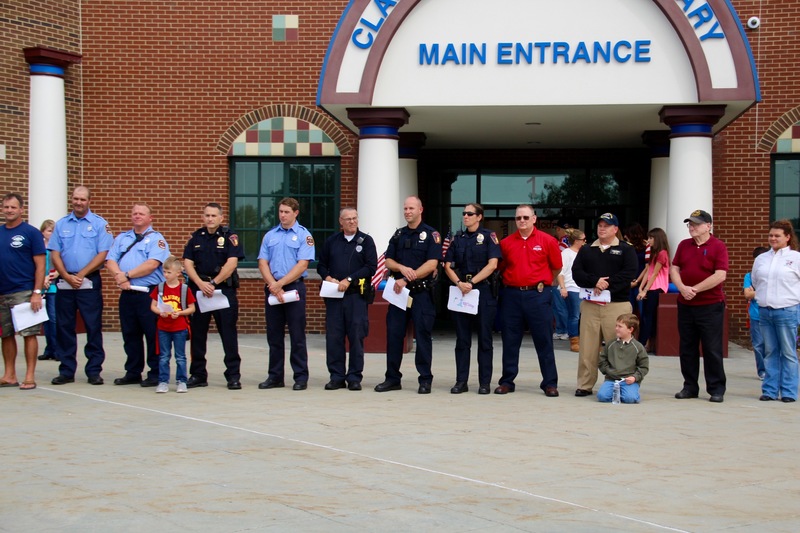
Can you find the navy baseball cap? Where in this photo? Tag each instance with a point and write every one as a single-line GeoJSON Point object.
{"type": "Point", "coordinates": [699, 217]}
{"type": "Point", "coordinates": [609, 218]}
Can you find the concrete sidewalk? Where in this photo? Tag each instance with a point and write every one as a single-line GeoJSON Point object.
{"type": "Point", "coordinates": [85, 458]}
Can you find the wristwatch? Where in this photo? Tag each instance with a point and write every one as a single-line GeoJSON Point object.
{"type": "Point", "coordinates": [214, 283]}
{"type": "Point", "coordinates": [349, 279]}
{"type": "Point", "coordinates": [37, 291]}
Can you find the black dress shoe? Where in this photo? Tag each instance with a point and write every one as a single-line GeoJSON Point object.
{"type": "Point", "coordinates": [128, 380]}
{"type": "Point", "coordinates": [271, 384]}
{"type": "Point", "coordinates": [503, 389]}
{"type": "Point", "coordinates": [765, 398]}
{"type": "Point", "coordinates": [580, 393]}
{"type": "Point", "coordinates": [335, 385]}
{"type": "Point", "coordinates": [424, 388]}
{"type": "Point", "coordinates": [60, 380]}
{"type": "Point", "coordinates": [716, 398]}
{"type": "Point", "coordinates": [151, 382]}
{"type": "Point", "coordinates": [788, 400]}
{"type": "Point", "coordinates": [484, 389]}
{"type": "Point", "coordinates": [300, 385]}
{"type": "Point", "coordinates": [194, 382]}
{"type": "Point", "coordinates": [354, 385]}
{"type": "Point", "coordinates": [685, 394]}
{"type": "Point", "coordinates": [95, 380]}
{"type": "Point", "coordinates": [387, 386]}
{"type": "Point", "coordinates": [459, 387]}
{"type": "Point", "coordinates": [551, 392]}
{"type": "Point", "coordinates": [234, 385]}
{"type": "Point", "coordinates": [44, 357]}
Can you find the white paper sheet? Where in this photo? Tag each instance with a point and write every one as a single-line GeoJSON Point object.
{"type": "Point", "coordinates": [288, 297]}
{"type": "Point", "coordinates": [463, 303]}
{"type": "Point", "coordinates": [328, 289]}
{"type": "Point", "coordinates": [139, 288]}
{"type": "Point", "coordinates": [588, 294]}
{"type": "Point", "coordinates": [215, 302]}
{"type": "Point", "coordinates": [402, 300]}
{"type": "Point", "coordinates": [164, 308]}
{"type": "Point", "coordinates": [64, 286]}
{"type": "Point", "coordinates": [23, 317]}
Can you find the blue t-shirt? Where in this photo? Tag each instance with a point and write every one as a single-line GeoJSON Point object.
{"type": "Point", "coordinates": [753, 307]}
{"type": "Point", "coordinates": [18, 246]}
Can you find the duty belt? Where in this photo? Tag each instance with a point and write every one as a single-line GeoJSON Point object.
{"type": "Point", "coordinates": [538, 287]}
{"type": "Point", "coordinates": [418, 286]}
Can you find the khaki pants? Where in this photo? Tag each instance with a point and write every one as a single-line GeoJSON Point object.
{"type": "Point", "coordinates": [597, 324]}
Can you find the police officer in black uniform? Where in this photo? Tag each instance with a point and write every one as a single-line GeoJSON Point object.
{"type": "Point", "coordinates": [412, 257]}
{"type": "Point", "coordinates": [210, 259]}
{"type": "Point", "coordinates": [470, 262]}
{"type": "Point", "coordinates": [348, 258]}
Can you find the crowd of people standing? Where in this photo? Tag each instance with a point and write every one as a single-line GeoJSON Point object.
{"type": "Point", "coordinates": [604, 294]}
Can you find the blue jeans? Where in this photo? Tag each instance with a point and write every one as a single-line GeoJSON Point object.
{"type": "Point", "coordinates": [51, 339]}
{"type": "Point", "coordinates": [627, 393]}
{"type": "Point", "coordinates": [560, 311]}
{"type": "Point", "coordinates": [757, 340]}
{"type": "Point", "coordinates": [178, 340]}
{"type": "Point", "coordinates": [573, 302]}
{"type": "Point", "coordinates": [779, 328]}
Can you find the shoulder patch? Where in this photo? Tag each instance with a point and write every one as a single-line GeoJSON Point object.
{"type": "Point", "coordinates": [310, 240]}
{"type": "Point", "coordinates": [234, 239]}
{"type": "Point", "coordinates": [436, 237]}
{"type": "Point", "coordinates": [108, 229]}
{"type": "Point", "coordinates": [162, 244]}
{"type": "Point", "coordinates": [494, 238]}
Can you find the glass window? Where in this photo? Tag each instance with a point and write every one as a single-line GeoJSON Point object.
{"type": "Point", "coordinates": [258, 185]}
{"type": "Point", "coordinates": [785, 195]}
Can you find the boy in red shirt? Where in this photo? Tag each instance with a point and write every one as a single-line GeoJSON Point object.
{"type": "Point", "coordinates": [173, 325]}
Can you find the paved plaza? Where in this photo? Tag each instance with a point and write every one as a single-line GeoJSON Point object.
{"type": "Point", "coordinates": [80, 458]}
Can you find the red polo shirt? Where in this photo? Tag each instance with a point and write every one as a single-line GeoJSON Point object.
{"type": "Point", "coordinates": [529, 261]}
{"type": "Point", "coordinates": [697, 262]}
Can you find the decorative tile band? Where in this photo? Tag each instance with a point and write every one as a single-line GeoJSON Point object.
{"type": "Point", "coordinates": [789, 141]}
{"type": "Point", "coordinates": [284, 137]}
{"type": "Point", "coordinates": [285, 27]}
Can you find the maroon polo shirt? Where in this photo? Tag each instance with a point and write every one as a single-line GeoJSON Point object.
{"type": "Point", "coordinates": [697, 262]}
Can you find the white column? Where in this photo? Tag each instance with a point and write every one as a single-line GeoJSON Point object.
{"type": "Point", "coordinates": [47, 153]}
{"type": "Point", "coordinates": [690, 166]}
{"type": "Point", "coordinates": [380, 206]}
{"type": "Point", "coordinates": [658, 141]}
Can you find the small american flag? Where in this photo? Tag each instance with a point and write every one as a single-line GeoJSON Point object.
{"type": "Point", "coordinates": [381, 272]}
{"type": "Point", "coordinates": [446, 243]}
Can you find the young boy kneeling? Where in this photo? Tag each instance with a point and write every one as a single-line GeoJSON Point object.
{"type": "Point", "coordinates": [624, 359]}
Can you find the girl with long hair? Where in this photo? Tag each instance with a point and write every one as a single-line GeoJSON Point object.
{"type": "Point", "coordinates": [654, 282]}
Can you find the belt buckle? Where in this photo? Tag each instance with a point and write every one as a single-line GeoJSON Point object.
{"type": "Point", "coordinates": [540, 286]}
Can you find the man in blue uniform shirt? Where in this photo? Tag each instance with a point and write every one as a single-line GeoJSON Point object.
{"type": "Point", "coordinates": [21, 280]}
{"type": "Point", "coordinates": [135, 261]}
{"type": "Point", "coordinates": [348, 259]}
{"type": "Point", "coordinates": [283, 260]}
{"type": "Point", "coordinates": [412, 257]}
{"type": "Point", "coordinates": [471, 259]}
{"type": "Point", "coordinates": [78, 247]}
{"type": "Point", "coordinates": [210, 259]}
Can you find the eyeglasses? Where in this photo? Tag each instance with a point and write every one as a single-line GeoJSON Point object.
{"type": "Point", "coordinates": [351, 219]}
{"type": "Point", "coordinates": [468, 214]}
{"type": "Point", "coordinates": [524, 217]}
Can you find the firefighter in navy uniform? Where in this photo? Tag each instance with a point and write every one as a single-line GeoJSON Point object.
{"type": "Point", "coordinates": [471, 259]}
{"type": "Point", "coordinates": [350, 259]}
{"type": "Point", "coordinates": [412, 257]}
{"type": "Point", "coordinates": [210, 259]}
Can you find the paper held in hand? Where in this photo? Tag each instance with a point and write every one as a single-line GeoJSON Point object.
{"type": "Point", "coordinates": [463, 303]}
{"type": "Point", "coordinates": [402, 300]}
{"type": "Point", "coordinates": [23, 316]}
{"type": "Point", "coordinates": [215, 302]}
{"type": "Point", "coordinates": [288, 297]}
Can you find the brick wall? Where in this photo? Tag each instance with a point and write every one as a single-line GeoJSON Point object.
{"type": "Point", "coordinates": [164, 81]}
{"type": "Point", "coordinates": [26, 24]}
{"type": "Point", "coordinates": [741, 170]}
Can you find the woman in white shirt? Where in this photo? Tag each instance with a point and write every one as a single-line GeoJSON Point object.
{"type": "Point", "coordinates": [568, 289]}
{"type": "Point", "coordinates": [776, 279]}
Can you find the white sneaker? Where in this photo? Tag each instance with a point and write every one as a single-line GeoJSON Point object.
{"type": "Point", "coordinates": [182, 387]}
{"type": "Point", "coordinates": [556, 336]}
{"type": "Point", "coordinates": [162, 387]}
